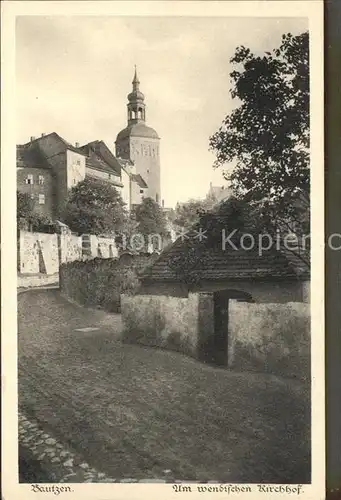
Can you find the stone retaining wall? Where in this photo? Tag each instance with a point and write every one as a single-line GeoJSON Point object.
{"type": "Point", "coordinates": [37, 280]}
{"type": "Point", "coordinates": [44, 253]}
{"type": "Point", "coordinates": [270, 338]}
{"type": "Point", "coordinates": [174, 323]}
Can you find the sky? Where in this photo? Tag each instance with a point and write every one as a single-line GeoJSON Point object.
{"type": "Point", "coordinates": [73, 75]}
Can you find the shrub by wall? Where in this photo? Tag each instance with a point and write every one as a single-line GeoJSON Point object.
{"type": "Point", "coordinates": [98, 282]}
{"type": "Point", "coordinates": [272, 338]}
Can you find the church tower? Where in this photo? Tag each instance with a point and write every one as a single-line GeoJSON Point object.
{"type": "Point", "coordinates": [140, 143]}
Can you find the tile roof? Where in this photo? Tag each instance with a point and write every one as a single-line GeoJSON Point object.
{"type": "Point", "coordinates": [66, 144]}
{"type": "Point", "coordinates": [124, 162]}
{"type": "Point", "coordinates": [219, 264]}
{"type": "Point", "coordinates": [137, 130]}
{"type": "Point", "coordinates": [103, 152]}
{"type": "Point", "coordinates": [98, 164]}
{"type": "Point", "coordinates": [31, 157]}
{"type": "Point", "coordinates": [139, 180]}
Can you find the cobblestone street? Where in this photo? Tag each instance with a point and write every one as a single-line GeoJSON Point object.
{"type": "Point", "coordinates": [141, 413]}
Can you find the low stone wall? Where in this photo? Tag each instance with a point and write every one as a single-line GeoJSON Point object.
{"type": "Point", "coordinates": [38, 253]}
{"type": "Point", "coordinates": [70, 246]}
{"type": "Point", "coordinates": [270, 338]}
{"type": "Point", "coordinates": [44, 252]}
{"type": "Point", "coordinates": [162, 321]}
{"type": "Point", "coordinates": [36, 280]}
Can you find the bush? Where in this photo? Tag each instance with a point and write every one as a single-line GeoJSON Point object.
{"type": "Point", "coordinates": [98, 282]}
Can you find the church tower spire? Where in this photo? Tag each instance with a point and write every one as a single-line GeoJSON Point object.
{"type": "Point", "coordinates": [136, 105]}
{"type": "Point", "coordinates": [136, 81]}
{"type": "Point", "coordinates": [140, 144]}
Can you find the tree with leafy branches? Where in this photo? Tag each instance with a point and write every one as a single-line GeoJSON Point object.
{"type": "Point", "coordinates": [150, 218]}
{"type": "Point", "coordinates": [188, 213]}
{"type": "Point", "coordinates": [27, 215]}
{"type": "Point", "coordinates": [151, 223]}
{"type": "Point", "coordinates": [266, 135]}
{"type": "Point", "coordinates": [95, 207]}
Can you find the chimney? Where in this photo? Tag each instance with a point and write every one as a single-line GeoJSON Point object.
{"type": "Point", "coordinates": [77, 144]}
{"type": "Point", "coordinates": [32, 138]}
{"type": "Point", "coordinates": [43, 134]}
{"type": "Point", "coordinates": [163, 203]}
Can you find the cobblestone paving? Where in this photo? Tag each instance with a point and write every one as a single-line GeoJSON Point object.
{"type": "Point", "coordinates": [62, 464]}
{"type": "Point", "coordinates": [139, 414]}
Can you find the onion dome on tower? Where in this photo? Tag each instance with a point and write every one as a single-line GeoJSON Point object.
{"type": "Point", "coordinates": [136, 115]}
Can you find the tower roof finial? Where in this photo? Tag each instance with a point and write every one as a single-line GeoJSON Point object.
{"type": "Point", "coordinates": [136, 81]}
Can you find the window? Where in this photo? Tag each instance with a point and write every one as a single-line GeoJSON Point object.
{"type": "Point", "coordinates": [32, 196]}
{"type": "Point", "coordinates": [41, 199]}
{"type": "Point", "coordinates": [141, 191]}
{"type": "Point", "coordinates": [29, 179]}
{"type": "Point", "coordinates": [78, 162]}
{"type": "Point", "coordinates": [40, 179]}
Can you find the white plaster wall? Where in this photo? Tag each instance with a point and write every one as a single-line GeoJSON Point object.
{"type": "Point", "coordinates": [271, 336]}
{"type": "Point", "coordinates": [125, 192]}
{"type": "Point", "coordinates": [34, 244]}
{"type": "Point", "coordinates": [170, 322]}
{"type": "Point", "coordinates": [75, 171]}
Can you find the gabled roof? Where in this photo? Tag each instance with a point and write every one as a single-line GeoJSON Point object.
{"type": "Point", "coordinates": [98, 164]}
{"type": "Point", "coordinates": [217, 264]}
{"type": "Point", "coordinates": [208, 260]}
{"type": "Point", "coordinates": [139, 180]}
{"type": "Point", "coordinates": [103, 152]}
{"type": "Point", "coordinates": [63, 142]}
{"type": "Point", "coordinates": [95, 163]}
{"type": "Point", "coordinates": [31, 157]}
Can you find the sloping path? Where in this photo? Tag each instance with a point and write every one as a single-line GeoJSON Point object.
{"type": "Point", "coordinates": [134, 412]}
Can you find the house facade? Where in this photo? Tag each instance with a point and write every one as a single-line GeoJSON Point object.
{"type": "Point", "coordinates": [49, 167]}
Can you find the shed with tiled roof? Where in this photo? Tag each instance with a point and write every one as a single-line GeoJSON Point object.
{"type": "Point", "coordinates": [269, 276]}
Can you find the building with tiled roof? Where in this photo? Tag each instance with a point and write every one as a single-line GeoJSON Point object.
{"type": "Point", "coordinates": [49, 166]}
{"type": "Point", "coordinates": [191, 265]}
{"type": "Point", "coordinates": [219, 194]}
